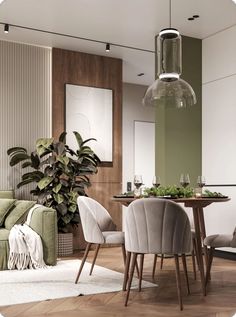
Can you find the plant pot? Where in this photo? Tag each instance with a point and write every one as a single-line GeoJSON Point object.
{"type": "Point", "coordinates": [65, 244]}
{"type": "Point", "coordinates": [79, 241]}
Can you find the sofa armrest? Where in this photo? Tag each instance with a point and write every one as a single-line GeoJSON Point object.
{"type": "Point", "coordinates": [44, 222]}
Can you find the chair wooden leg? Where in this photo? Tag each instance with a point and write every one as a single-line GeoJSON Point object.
{"type": "Point", "coordinates": [196, 251]}
{"type": "Point", "coordinates": [123, 253]}
{"type": "Point", "coordinates": [83, 261]}
{"type": "Point", "coordinates": [94, 258]}
{"type": "Point", "coordinates": [209, 263]}
{"type": "Point", "coordinates": [137, 269]}
{"type": "Point", "coordinates": [162, 260]}
{"type": "Point", "coordinates": [140, 272]}
{"type": "Point", "coordinates": [194, 265]}
{"type": "Point", "coordinates": [185, 271]}
{"type": "Point", "coordinates": [178, 283]}
{"type": "Point", "coordinates": [126, 275]}
{"type": "Point", "coordinates": [134, 259]}
{"type": "Point", "coordinates": [154, 266]}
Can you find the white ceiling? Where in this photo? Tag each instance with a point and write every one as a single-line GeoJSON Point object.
{"type": "Point", "coordinates": [126, 22]}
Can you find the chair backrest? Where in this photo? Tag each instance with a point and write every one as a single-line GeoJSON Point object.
{"type": "Point", "coordinates": [155, 225]}
{"type": "Point", "coordinates": [94, 219]}
{"type": "Point", "coordinates": [233, 242]}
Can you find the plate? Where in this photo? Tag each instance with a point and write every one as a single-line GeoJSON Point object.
{"type": "Point", "coordinates": [123, 196]}
{"type": "Point", "coordinates": [215, 197]}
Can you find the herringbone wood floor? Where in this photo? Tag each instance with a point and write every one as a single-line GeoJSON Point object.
{"type": "Point", "coordinates": [158, 301]}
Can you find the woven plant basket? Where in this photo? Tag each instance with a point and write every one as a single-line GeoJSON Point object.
{"type": "Point", "coordinates": [65, 244]}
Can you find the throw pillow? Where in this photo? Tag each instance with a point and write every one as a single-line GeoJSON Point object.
{"type": "Point", "coordinates": [5, 205]}
{"type": "Point", "coordinates": [18, 213]}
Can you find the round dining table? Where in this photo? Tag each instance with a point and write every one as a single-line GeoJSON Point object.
{"type": "Point", "coordinates": [197, 205]}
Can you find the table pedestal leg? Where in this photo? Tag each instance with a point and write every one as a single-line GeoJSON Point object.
{"type": "Point", "coordinates": [199, 248]}
{"type": "Point", "coordinates": [203, 232]}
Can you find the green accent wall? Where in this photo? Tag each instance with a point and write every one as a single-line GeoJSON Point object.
{"type": "Point", "coordinates": [179, 131]}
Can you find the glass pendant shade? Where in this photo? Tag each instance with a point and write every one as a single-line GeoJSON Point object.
{"type": "Point", "coordinates": [169, 88]}
{"type": "Point", "coordinates": [175, 93]}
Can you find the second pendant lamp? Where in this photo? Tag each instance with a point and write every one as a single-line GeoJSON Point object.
{"type": "Point", "coordinates": [169, 88]}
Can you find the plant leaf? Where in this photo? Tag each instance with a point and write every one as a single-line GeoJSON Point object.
{"type": "Point", "coordinates": [90, 139]}
{"type": "Point", "coordinates": [57, 188]}
{"type": "Point", "coordinates": [78, 138]}
{"type": "Point", "coordinates": [17, 149]}
{"type": "Point", "coordinates": [26, 164]}
{"type": "Point", "coordinates": [58, 198]}
{"type": "Point", "coordinates": [62, 137]}
{"type": "Point", "coordinates": [44, 182]}
{"type": "Point", "coordinates": [18, 157]}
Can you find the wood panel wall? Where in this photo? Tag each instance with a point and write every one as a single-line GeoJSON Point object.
{"type": "Point", "coordinates": [96, 71]}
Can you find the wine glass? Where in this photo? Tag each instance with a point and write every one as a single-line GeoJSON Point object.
{"type": "Point", "coordinates": [184, 180]}
{"type": "Point", "coordinates": [138, 182]}
{"type": "Point", "coordinates": [156, 181]}
{"type": "Point", "coordinates": [201, 181]}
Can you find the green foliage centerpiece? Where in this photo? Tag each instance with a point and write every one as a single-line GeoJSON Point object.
{"type": "Point", "coordinates": [60, 174]}
{"type": "Point", "coordinates": [169, 191]}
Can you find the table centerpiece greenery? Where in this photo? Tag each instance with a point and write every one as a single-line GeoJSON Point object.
{"type": "Point", "coordinates": [172, 191]}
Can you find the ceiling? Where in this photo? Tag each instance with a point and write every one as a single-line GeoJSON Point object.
{"type": "Point", "coordinates": [132, 23]}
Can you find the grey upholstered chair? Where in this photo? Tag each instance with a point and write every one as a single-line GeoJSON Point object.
{"type": "Point", "coordinates": [98, 228]}
{"type": "Point", "coordinates": [194, 253]}
{"type": "Point", "coordinates": [155, 226]}
{"type": "Point", "coordinates": [218, 241]}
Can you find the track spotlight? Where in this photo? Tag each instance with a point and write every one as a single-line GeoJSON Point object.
{"type": "Point", "coordinates": [6, 28]}
{"type": "Point", "coordinates": [107, 47]}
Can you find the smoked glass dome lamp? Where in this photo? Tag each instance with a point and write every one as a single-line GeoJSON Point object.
{"type": "Point", "coordinates": [169, 88]}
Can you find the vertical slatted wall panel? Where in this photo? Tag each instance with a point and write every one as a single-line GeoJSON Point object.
{"type": "Point", "coordinates": [25, 104]}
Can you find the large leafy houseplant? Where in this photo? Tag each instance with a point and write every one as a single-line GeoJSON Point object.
{"type": "Point", "coordinates": [60, 174]}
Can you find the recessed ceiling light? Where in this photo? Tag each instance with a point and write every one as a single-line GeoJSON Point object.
{"type": "Point", "coordinates": [195, 16]}
{"type": "Point", "coordinates": [234, 1]}
{"type": "Point", "coordinates": [1, 1]}
{"type": "Point", "coordinates": [6, 28]}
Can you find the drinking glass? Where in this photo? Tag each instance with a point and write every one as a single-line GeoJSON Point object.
{"type": "Point", "coordinates": [138, 182]}
{"type": "Point", "coordinates": [184, 180]}
{"type": "Point", "coordinates": [201, 181]}
{"type": "Point", "coordinates": [156, 181]}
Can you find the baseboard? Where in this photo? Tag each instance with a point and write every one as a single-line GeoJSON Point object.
{"type": "Point", "coordinates": [225, 255]}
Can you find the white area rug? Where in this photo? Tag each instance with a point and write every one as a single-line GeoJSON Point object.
{"type": "Point", "coordinates": [58, 281]}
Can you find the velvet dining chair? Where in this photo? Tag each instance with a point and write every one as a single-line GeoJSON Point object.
{"type": "Point", "coordinates": [98, 229]}
{"type": "Point", "coordinates": [155, 226]}
{"type": "Point", "coordinates": [218, 241]}
{"type": "Point", "coordinates": [162, 256]}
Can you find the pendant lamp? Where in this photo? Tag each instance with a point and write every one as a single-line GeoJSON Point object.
{"type": "Point", "coordinates": [169, 88]}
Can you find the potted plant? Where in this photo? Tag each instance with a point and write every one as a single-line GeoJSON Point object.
{"type": "Point", "coordinates": [60, 174]}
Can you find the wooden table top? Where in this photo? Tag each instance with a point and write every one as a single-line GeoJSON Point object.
{"type": "Point", "coordinates": [189, 202]}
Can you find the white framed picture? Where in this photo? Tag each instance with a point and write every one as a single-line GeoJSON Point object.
{"type": "Point", "coordinates": [89, 111]}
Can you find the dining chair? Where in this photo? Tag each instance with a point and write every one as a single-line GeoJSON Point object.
{"type": "Point", "coordinates": [156, 226]}
{"type": "Point", "coordinates": [162, 256]}
{"type": "Point", "coordinates": [98, 229]}
{"type": "Point", "coordinates": [218, 241]}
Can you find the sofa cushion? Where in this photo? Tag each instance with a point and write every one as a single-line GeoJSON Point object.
{"type": "Point", "coordinates": [9, 194]}
{"type": "Point", "coordinates": [4, 248]}
{"type": "Point", "coordinates": [18, 213]}
{"type": "Point", "coordinates": [5, 206]}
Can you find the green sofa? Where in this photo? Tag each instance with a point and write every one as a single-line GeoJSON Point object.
{"type": "Point", "coordinates": [43, 221]}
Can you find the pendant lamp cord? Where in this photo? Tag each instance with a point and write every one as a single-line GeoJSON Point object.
{"type": "Point", "coordinates": [170, 12]}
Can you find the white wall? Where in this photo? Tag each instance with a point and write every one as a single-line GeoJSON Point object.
{"type": "Point", "coordinates": [133, 110]}
{"type": "Point", "coordinates": [25, 103]}
{"type": "Point", "coordinates": [219, 126]}
{"type": "Point", "coordinates": [144, 151]}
